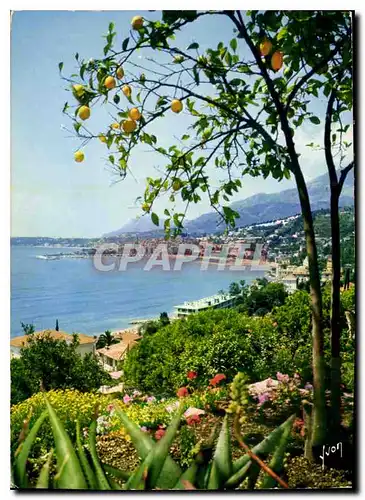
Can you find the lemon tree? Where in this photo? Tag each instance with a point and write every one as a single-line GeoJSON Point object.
{"type": "Point", "coordinates": [245, 99]}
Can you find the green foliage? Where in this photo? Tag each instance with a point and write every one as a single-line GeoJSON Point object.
{"type": "Point", "coordinates": [106, 339]}
{"type": "Point", "coordinates": [248, 103]}
{"type": "Point", "coordinates": [53, 364]}
{"type": "Point", "coordinates": [80, 469]}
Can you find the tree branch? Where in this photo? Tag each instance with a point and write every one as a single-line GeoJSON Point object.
{"type": "Point", "coordinates": [343, 176]}
{"type": "Point", "coordinates": [327, 142]}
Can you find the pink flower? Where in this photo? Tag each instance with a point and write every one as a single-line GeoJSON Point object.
{"type": "Point", "coordinates": [194, 419]}
{"type": "Point", "coordinates": [217, 378]}
{"type": "Point", "coordinates": [269, 382]}
{"type": "Point", "coordinates": [144, 428]}
{"type": "Point", "coordinates": [151, 399]}
{"type": "Point", "coordinates": [110, 408]}
{"type": "Point", "coordinates": [191, 375]}
{"type": "Point", "coordinates": [127, 399]}
{"type": "Point", "coordinates": [159, 434]}
{"type": "Point", "coordinates": [308, 387]}
{"type": "Point", "coordinates": [282, 378]}
{"type": "Point", "coordinates": [297, 376]}
{"type": "Point", "coordinates": [263, 398]}
{"type": "Point", "coordinates": [182, 392]}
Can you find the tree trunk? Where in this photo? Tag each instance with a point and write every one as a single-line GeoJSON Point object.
{"type": "Point", "coordinates": [319, 421]}
{"type": "Point", "coordinates": [335, 414]}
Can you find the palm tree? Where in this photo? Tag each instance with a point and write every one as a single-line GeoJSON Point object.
{"type": "Point", "coordinates": [106, 339]}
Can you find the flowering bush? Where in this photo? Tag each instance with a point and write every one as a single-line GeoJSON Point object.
{"type": "Point", "coordinates": [281, 398]}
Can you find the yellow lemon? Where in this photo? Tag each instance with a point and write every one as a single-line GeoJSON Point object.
{"type": "Point", "coordinates": [176, 185]}
{"type": "Point", "coordinates": [79, 89]}
{"type": "Point", "coordinates": [129, 125]}
{"type": "Point", "coordinates": [145, 207]}
{"type": "Point", "coordinates": [109, 82]}
{"type": "Point", "coordinates": [120, 73]}
{"type": "Point", "coordinates": [115, 125]}
{"type": "Point", "coordinates": [137, 22]}
{"type": "Point", "coordinates": [277, 60]}
{"type": "Point", "coordinates": [102, 138]}
{"type": "Point", "coordinates": [265, 47]}
{"type": "Point", "coordinates": [84, 112]}
{"type": "Point", "coordinates": [127, 91]}
{"type": "Point", "coordinates": [176, 106]}
{"type": "Point", "coordinates": [134, 114]}
{"type": "Point", "coordinates": [79, 156]}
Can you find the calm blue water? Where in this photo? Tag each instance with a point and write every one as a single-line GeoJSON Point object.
{"type": "Point", "coordinates": [88, 301]}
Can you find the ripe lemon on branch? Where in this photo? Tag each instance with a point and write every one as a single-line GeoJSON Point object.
{"type": "Point", "coordinates": [129, 125]}
{"type": "Point", "coordinates": [265, 47]}
{"type": "Point", "coordinates": [115, 125]}
{"type": "Point", "coordinates": [102, 138]}
{"type": "Point", "coordinates": [134, 114]}
{"type": "Point", "coordinates": [109, 82]}
{"type": "Point", "coordinates": [176, 106]}
{"type": "Point", "coordinates": [137, 22]}
{"type": "Point", "coordinates": [79, 156]}
{"type": "Point", "coordinates": [84, 112]}
{"type": "Point", "coordinates": [277, 60]}
{"type": "Point", "coordinates": [78, 89]}
{"type": "Point", "coordinates": [127, 91]}
{"type": "Point", "coordinates": [120, 73]}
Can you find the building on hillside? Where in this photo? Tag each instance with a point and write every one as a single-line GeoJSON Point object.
{"type": "Point", "coordinates": [290, 282]}
{"type": "Point", "coordinates": [86, 343]}
{"type": "Point", "coordinates": [219, 301]}
{"type": "Point", "coordinates": [111, 357]}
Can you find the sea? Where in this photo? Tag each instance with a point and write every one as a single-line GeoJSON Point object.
{"type": "Point", "coordinates": [88, 301]}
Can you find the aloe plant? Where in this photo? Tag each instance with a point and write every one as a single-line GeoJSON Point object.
{"type": "Point", "coordinates": [212, 469]}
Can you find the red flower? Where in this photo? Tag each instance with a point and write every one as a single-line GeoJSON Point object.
{"type": "Point", "coordinates": [182, 392]}
{"type": "Point", "coordinates": [191, 375]}
{"type": "Point", "coordinates": [218, 378]}
{"type": "Point", "coordinates": [194, 419]}
{"type": "Point", "coordinates": [159, 434]}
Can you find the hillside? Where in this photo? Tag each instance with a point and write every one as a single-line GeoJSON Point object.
{"type": "Point", "coordinates": [258, 208]}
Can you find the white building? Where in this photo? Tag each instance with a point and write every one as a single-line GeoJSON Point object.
{"type": "Point", "coordinates": [223, 301]}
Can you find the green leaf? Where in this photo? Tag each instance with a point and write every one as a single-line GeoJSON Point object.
{"type": "Point", "coordinates": [236, 479]}
{"type": "Point", "coordinates": [155, 219]}
{"type": "Point", "coordinates": [89, 474]}
{"type": "Point", "coordinates": [119, 474]}
{"type": "Point", "coordinates": [100, 476]}
{"type": "Point", "coordinates": [77, 126]}
{"type": "Point", "coordinates": [116, 99]}
{"type": "Point", "coordinates": [276, 463]}
{"type": "Point", "coordinates": [137, 481]}
{"type": "Point", "coordinates": [188, 475]}
{"type": "Point", "coordinates": [266, 446]}
{"type": "Point", "coordinates": [185, 137]}
{"type": "Point", "coordinates": [43, 479]}
{"type": "Point", "coordinates": [161, 450]}
{"type": "Point", "coordinates": [111, 27]}
{"type": "Point", "coordinates": [315, 120]}
{"type": "Point", "coordinates": [233, 44]}
{"type": "Point", "coordinates": [77, 56]}
{"type": "Point", "coordinates": [222, 459]}
{"type": "Point", "coordinates": [125, 43]}
{"type": "Point", "coordinates": [21, 460]}
{"type": "Point", "coordinates": [60, 66]}
{"type": "Point", "coordinates": [282, 33]}
{"type": "Point", "coordinates": [143, 444]}
{"type": "Point", "coordinates": [69, 471]}
{"type": "Point", "coordinates": [193, 45]}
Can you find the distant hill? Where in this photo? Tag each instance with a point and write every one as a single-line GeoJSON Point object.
{"type": "Point", "coordinates": [261, 207]}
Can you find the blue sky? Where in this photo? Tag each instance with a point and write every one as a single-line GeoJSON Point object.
{"type": "Point", "coordinates": [51, 194]}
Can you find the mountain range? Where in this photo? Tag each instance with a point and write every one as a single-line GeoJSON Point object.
{"type": "Point", "coordinates": [261, 207]}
